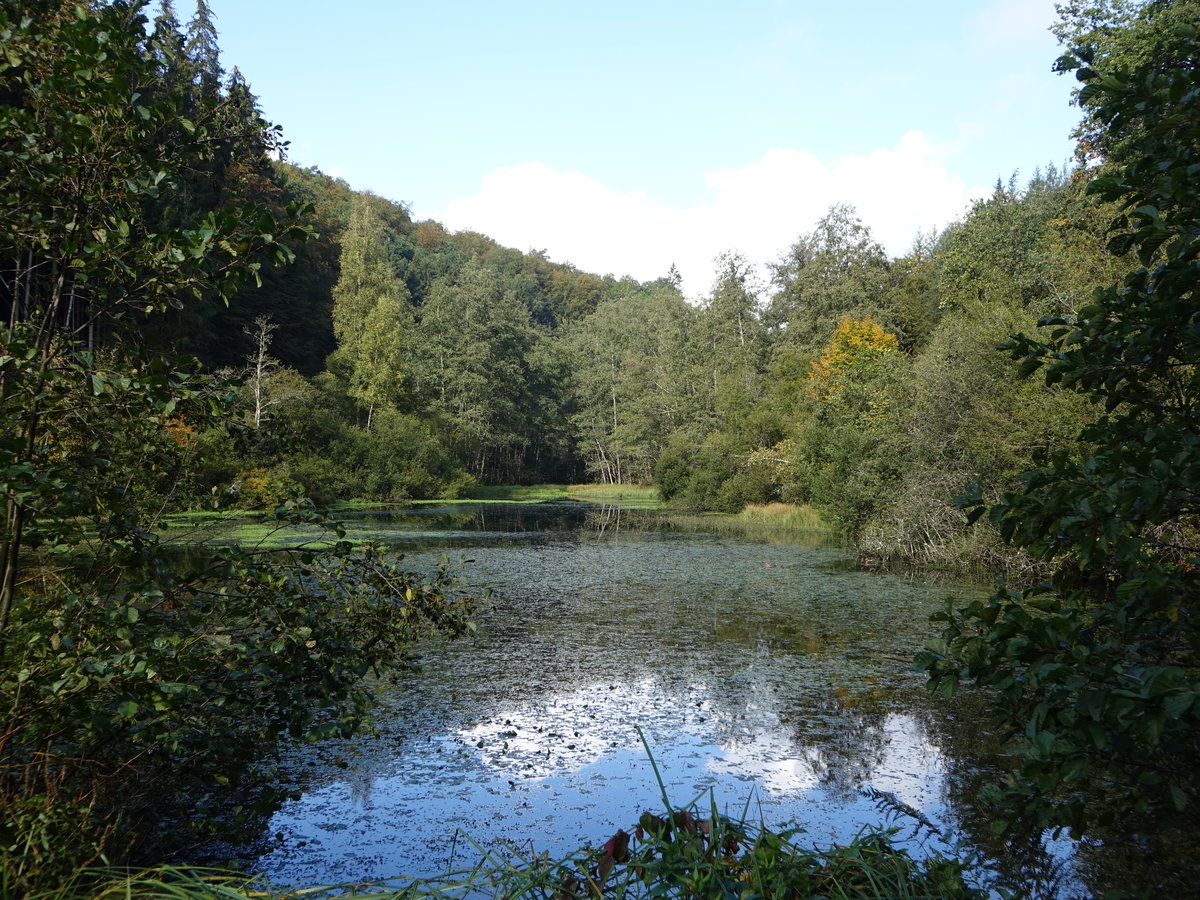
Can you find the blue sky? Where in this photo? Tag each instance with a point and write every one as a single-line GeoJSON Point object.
{"type": "Point", "coordinates": [625, 136]}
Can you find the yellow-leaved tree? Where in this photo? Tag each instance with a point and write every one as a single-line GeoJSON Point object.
{"type": "Point", "coordinates": [856, 347]}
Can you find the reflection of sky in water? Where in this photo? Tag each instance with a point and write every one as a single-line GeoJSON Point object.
{"type": "Point", "coordinates": [569, 772]}
{"type": "Point", "coordinates": [775, 677]}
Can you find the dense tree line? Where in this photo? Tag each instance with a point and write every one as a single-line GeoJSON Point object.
{"type": "Point", "coordinates": [504, 367]}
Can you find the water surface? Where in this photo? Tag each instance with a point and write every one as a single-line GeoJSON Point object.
{"type": "Point", "coordinates": [768, 678]}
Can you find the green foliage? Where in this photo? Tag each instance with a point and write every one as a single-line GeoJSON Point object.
{"type": "Point", "coordinates": [1002, 254]}
{"type": "Point", "coordinates": [372, 318]}
{"type": "Point", "coordinates": [124, 669]}
{"type": "Point", "coordinates": [203, 51]}
{"type": "Point", "coordinates": [119, 669]}
{"type": "Point", "coordinates": [916, 306]}
{"type": "Point", "coordinates": [1097, 670]}
{"type": "Point", "coordinates": [835, 270]}
{"type": "Point", "coordinates": [1122, 35]}
{"type": "Point", "coordinates": [730, 330]}
{"type": "Point", "coordinates": [721, 474]}
{"type": "Point", "coordinates": [632, 380]}
{"type": "Point", "coordinates": [673, 471]}
{"type": "Point", "coordinates": [542, 493]}
{"type": "Point", "coordinates": [186, 679]}
{"type": "Point", "coordinates": [963, 413]}
{"type": "Point", "coordinates": [683, 855]}
{"type": "Point", "coordinates": [849, 448]}
{"type": "Point", "coordinates": [79, 190]}
{"type": "Point", "coordinates": [489, 376]}
{"type": "Point", "coordinates": [334, 459]}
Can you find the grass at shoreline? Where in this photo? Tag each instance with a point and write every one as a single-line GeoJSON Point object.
{"type": "Point", "coordinates": [623, 494]}
{"type": "Point", "coordinates": [782, 515]}
{"type": "Point", "coordinates": [689, 852]}
{"type": "Point", "coordinates": [772, 523]}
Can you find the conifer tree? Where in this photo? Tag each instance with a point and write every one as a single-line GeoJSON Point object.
{"type": "Point", "coordinates": [204, 52]}
{"type": "Point", "coordinates": [167, 45]}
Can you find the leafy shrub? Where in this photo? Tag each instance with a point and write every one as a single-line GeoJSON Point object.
{"type": "Point", "coordinates": [264, 488]}
{"type": "Point", "coordinates": [722, 475]}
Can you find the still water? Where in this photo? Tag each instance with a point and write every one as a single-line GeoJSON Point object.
{"type": "Point", "coordinates": [772, 679]}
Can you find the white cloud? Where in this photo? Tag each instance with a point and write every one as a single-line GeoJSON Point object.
{"type": "Point", "coordinates": [1007, 24]}
{"type": "Point", "coordinates": [758, 209]}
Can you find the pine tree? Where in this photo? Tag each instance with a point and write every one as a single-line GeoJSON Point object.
{"type": "Point", "coordinates": [204, 52]}
{"type": "Point", "coordinates": [166, 41]}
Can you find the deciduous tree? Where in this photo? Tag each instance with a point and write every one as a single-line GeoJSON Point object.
{"type": "Point", "coordinates": [835, 270]}
{"type": "Point", "coordinates": [372, 316]}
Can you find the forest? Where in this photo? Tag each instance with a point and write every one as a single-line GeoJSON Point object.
{"type": "Point", "coordinates": [841, 379]}
{"type": "Point", "coordinates": [191, 322]}
{"type": "Point", "coordinates": [865, 386]}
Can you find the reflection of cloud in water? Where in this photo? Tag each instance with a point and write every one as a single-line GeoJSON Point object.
{"type": "Point", "coordinates": [912, 768]}
{"type": "Point", "coordinates": [566, 732]}
{"type": "Point", "coordinates": [909, 766]}
{"type": "Point", "coordinates": [775, 764]}
{"type": "Point", "coordinates": [570, 769]}
{"type": "Point", "coordinates": [759, 751]}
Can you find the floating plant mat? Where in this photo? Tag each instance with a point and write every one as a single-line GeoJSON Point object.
{"type": "Point", "coordinates": [774, 678]}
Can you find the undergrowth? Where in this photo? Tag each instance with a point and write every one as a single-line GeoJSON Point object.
{"type": "Point", "coordinates": [677, 855]}
{"type": "Point", "coordinates": [782, 515]}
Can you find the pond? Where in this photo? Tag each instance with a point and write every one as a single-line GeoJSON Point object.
{"type": "Point", "coordinates": [770, 679]}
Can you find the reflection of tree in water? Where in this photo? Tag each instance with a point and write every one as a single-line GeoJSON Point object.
{"type": "Point", "coordinates": [512, 519]}
{"type": "Point", "coordinates": [1110, 859]}
{"type": "Point", "coordinates": [840, 732]}
{"type": "Point", "coordinates": [835, 731]}
{"type": "Point", "coordinates": [1116, 858]}
{"type": "Point", "coordinates": [798, 633]}
{"type": "Point", "coordinates": [361, 781]}
{"type": "Point", "coordinates": [504, 518]}
{"type": "Point", "coordinates": [847, 730]}
{"type": "Point", "coordinates": [975, 760]}
{"type": "Point", "coordinates": [605, 519]}
{"type": "Point", "coordinates": [450, 521]}
{"type": "Point", "coordinates": [1140, 856]}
